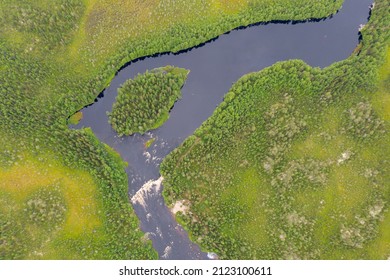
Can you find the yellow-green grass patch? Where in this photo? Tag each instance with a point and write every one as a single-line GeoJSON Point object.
{"type": "Point", "coordinates": [251, 192]}
{"type": "Point", "coordinates": [75, 118]}
{"type": "Point", "coordinates": [381, 99]}
{"type": "Point", "coordinates": [380, 247]}
{"type": "Point", "coordinates": [77, 187]}
{"type": "Point", "coordinates": [325, 143]}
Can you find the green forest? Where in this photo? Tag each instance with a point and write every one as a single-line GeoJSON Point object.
{"type": "Point", "coordinates": [294, 164]}
{"type": "Point", "coordinates": [143, 103]}
{"type": "Point", "coordinates": [63, 193]}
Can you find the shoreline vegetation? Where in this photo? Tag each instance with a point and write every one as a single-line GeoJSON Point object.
{"type": "Point", "coordinates": [55, 58]}
{"type": "Point", "coordinates": [144, 103]}
{"type": "Point", "coordinates": [294, 164]}
{"type": "Point", "coordinates": [75, 118]}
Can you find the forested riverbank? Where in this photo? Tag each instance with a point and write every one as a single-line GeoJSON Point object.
{"type": "Point", "coordinates": [294, 163]}
{"type": "Point", "coordinates": [56, 57]}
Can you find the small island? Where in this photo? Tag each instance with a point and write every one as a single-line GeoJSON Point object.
{"type": "Point", "coordinates": [143, 103]}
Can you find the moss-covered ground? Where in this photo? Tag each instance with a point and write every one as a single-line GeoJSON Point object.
{"type": "Point", "coordinates": [56, 57]}
{"type": "Point", "coordinates": [294, 164]}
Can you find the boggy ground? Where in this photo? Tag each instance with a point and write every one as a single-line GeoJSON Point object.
{"type": "Point", "coordinates": [55, 58]}
{"type": "Point", "coordinates": [294, 164]}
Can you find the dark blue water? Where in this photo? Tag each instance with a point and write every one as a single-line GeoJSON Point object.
{"type": "Point", "coordinates": [214, 68]}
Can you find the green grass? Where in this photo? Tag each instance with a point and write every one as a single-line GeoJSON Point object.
{"type": "Point", "coordinates": [75, 118]}
{"type": "Point", "coordinates": [149, 143]}
{"type": "Point", "coordinates": [56, 57]}
{"type": "Point", "coordinates": [50, 203]}
{"type": "Point", "coordinates": [294, 163]}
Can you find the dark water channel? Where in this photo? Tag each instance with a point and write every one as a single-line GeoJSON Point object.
{"type": "Point", "coordinates": [214, 68]}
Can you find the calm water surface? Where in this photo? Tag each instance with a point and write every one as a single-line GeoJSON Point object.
{"type": "Point", "coordinates": [214, 68]}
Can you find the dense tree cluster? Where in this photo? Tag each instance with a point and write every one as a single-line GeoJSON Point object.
{"type": "Point", "coordinates": [57, 56]}
{"type": "Point", "coordinates": [144, 103]}
{"type": "Point", "coordinates": [292, 164]}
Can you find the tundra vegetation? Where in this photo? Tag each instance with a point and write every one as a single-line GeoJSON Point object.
{"type": "Point", "coordinates": [295, 163]}
{"type": "Point", "coordinates": [63, 193]}
{"type": "Point", "coordinates": [143, 104]}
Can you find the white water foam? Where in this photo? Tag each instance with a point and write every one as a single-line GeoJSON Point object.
{"type": "Point", "coordinates": [149, 189]}
{"type": "Point", "coordinates": [167, 251]}
{"type": "Point", "coordinates": [150, 157]}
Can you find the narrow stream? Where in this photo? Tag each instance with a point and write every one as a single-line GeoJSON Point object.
{"type": "Point", "coordinates": [214, 68]}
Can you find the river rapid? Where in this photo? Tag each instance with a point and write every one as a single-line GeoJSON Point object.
{"type": "Point", "coordinates": [214, 67]}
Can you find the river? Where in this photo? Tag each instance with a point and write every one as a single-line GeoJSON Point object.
{"type": "Point", "coordinates": [214, 67]}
